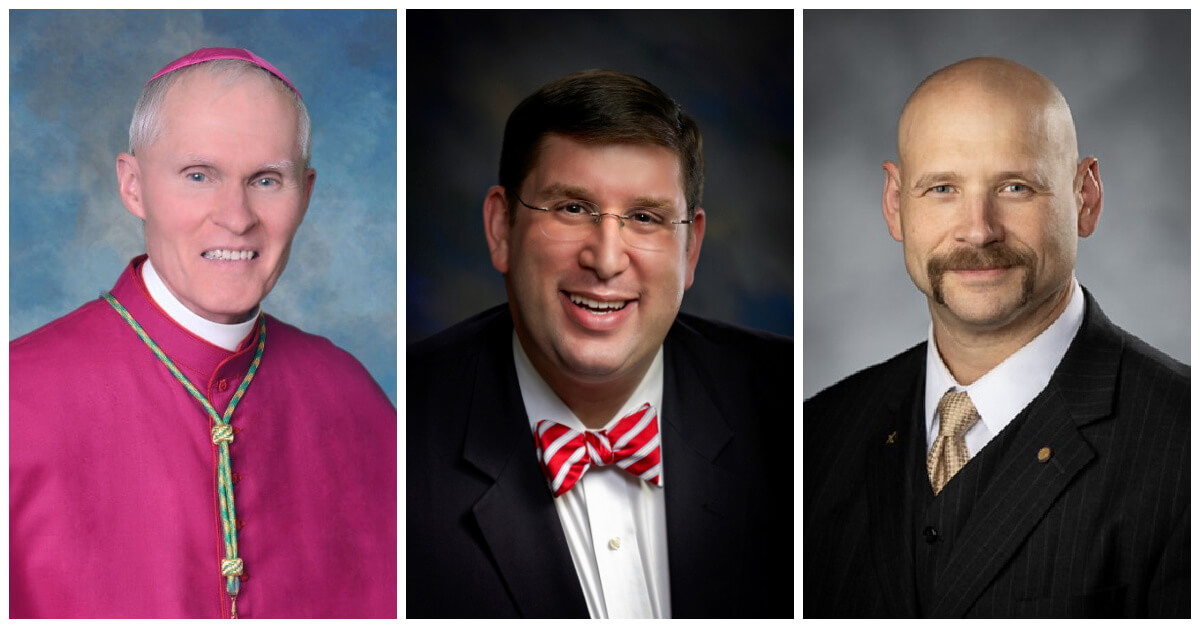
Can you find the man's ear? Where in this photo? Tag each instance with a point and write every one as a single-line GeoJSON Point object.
{"type": "Point", "coordinates": [496, 227]}
{"type": "Point", "coordinates": [310, 180]}
{"type": "Point", "coordinates": [891, 200]}
{"type": "Point", "coordinates": [1090, 196]}
{"type": "Point", "coordinates": [129, 184]}
{"type": "Point", "coordinates": [695, 239]}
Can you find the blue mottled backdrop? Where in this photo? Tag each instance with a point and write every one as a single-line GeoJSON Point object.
{"type": "Point", "coordinates": [731, 70]}
{"type": "Point", "coordinates": [74, 77]}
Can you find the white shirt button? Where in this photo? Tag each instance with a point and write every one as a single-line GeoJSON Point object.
{"type": "Point", "coordinates": [614, 543]}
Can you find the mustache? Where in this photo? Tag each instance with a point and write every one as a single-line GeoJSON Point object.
{"type": "Point", "coordinates": [995, 256]}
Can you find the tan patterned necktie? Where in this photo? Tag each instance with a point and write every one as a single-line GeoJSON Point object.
{"type": "Point", "coordinates": [949, 451]}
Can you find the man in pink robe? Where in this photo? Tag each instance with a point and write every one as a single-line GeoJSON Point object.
{"type": "Point", "coordinates": [113, 478]}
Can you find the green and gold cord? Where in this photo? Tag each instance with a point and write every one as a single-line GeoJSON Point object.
{"type": "Point", "coordinates": [222, 435]}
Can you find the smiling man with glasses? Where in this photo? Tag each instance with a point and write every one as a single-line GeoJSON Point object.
{"type": "Point", "coordinates": [586, 449]}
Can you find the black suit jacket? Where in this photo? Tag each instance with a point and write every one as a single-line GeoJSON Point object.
{"type": "Point", "coordinates": [483, 536]}
{"type": "Point", "coordinates": [1101, 529]}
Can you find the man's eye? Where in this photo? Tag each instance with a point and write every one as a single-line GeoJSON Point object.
{"type": "Point", "coordinates": [573, 208]}
{"type": "Point", "coordinates": [197, 177]}
{"type": "Point", "coordinates": [266, 182]}
{"type": "Point", "coordinates": [1016, 188]}
{"type": "Point", "coordinates": [645, 218]}
{"type": "Point", "coordinates": [941, 189]}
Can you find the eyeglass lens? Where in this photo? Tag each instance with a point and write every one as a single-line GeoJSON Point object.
{"type": "Point", "coordinates": [648, 229]}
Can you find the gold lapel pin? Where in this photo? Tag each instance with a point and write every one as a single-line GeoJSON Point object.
{"type": "Point", "coordinates": [891, 439]}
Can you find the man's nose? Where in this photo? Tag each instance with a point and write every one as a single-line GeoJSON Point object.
{"type": "Point", "coordinates": [234, 211]}
{"type": "Point", "coordinates": [979, 223]}
{"type": "Point", "coordinates": [605, 251]}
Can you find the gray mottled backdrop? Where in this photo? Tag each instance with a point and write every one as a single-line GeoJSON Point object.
{"type": "Point", "coordinates": [1126, 77]}
{"type": "Point", "coordinates": [732, 71]}
{"type": "Point", "coordinates": [74, 77]}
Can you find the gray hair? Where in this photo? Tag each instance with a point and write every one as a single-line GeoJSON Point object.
{"type": "Point", "coordinates": [147, 121]}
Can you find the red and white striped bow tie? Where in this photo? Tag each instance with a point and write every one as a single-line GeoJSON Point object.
{"type": "Point", "coordinates": [631, 444]}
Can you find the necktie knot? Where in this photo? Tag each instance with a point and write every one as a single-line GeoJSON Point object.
{"type": "Point", "coordinates": [599, 449]}
{"type": "Point", "coordinates": [956, 416]}
{"type": "Point", "coordinates": [632, 444]}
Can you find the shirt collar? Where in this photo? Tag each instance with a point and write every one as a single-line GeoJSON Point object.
{"type": "Point", "coordinates": [542, 403]}
{"type": "Point", "coordinates": [227, 337]}
{"type": "Point", "coordinates": [1005, 390]}
{"type": "Point", "coordinates": [203, 362]}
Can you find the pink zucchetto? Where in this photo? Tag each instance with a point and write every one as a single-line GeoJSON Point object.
{"type": "Point", "coordinates": [212, 54]}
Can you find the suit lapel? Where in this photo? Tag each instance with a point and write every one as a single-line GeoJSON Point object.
{"type": "Point", "coordinates": [1024, 487]}
{"type": "Point", "coordinates": [516, 515]}
{"type": "Point", "coordinates": [705, 508]}
{"type": "Point", "coordinates": [889, 491]}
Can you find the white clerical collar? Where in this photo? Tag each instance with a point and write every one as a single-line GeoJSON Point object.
{"type": "Point", "coordinates": [542, 403]}
{"type": "Point", "coordinates": [224, 336]}
{"type": "Point", "coordinates": [1005, 390]}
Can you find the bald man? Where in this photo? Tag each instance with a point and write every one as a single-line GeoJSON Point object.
{"type": "Point", "coordinates": [1030, 459]}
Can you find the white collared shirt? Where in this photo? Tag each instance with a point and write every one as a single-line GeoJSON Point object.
{"type": "Point", "coordinates": [224, 336]}
{"type": "Point", "coordinates": [615, 523]}
{"type": "Point", "coordinates": [1003, 392]}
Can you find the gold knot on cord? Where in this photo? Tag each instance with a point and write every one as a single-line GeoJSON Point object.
{"type": "Point", "coordinates": [222, 434]}
{"type": "Point", "coordinates": [231, 567]}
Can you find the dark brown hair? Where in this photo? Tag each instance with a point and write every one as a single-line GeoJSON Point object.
{"type": "Point", "coordinates": [602, 107]}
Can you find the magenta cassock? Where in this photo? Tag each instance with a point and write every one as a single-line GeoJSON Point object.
{"type": "Point", "coordinates": [112, 485]}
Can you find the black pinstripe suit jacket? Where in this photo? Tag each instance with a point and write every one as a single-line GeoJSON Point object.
{"type": "Point", "coordinates": [1101, 529]}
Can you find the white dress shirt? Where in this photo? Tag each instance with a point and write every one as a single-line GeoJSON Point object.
{"type": "Point", "coordinates": [615, 523]}
{"type": "Point", "coordinates": [1004, 391]}
{"type": "Point", "coordinates": [224, 336]}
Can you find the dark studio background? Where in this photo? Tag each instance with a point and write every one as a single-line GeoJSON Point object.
{"type": "Point", "coordinates": [730, 70]}
{"type": "Point", "coordinates": [1126, 77]}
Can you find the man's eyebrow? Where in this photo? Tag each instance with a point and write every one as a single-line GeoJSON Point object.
{"type": "Point", "coordinates": [929, 178]}
{"type": "Point", "coordinates": [652, 202]}
{"type": "Point", "coordinates": [1033, 176]}
{"type": "Point", "coordinates": [199, 160]}
{"type": "Point", "coordinates": [559, 190]}
{"type": "Point", "coordinates": [287, 165]}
